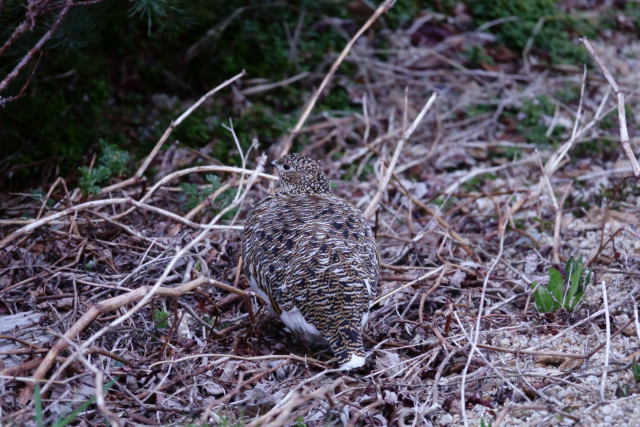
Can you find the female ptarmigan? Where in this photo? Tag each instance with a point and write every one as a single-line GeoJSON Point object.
{"type": "Point", "coordinates": [313, 259]}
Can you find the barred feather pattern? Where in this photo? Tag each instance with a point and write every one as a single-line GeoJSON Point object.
{"type": "Point", "coordinates": [308, 250]}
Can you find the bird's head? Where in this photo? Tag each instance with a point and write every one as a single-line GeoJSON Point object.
{"type": "Point", "coordinates": [299, 175]}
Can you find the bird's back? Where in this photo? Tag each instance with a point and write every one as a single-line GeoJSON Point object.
{"type": "Point", "coordinates": [314, 258]}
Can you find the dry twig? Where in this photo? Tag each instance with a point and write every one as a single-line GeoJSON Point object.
{"type": "Point", "coordinates": [622, 115]}
{"type": "Point", "coordinates": [406, 134]}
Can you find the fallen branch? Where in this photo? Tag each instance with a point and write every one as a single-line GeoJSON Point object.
{"type": "Point", "coordinates": [73, 209]}
{"type": "Point", "coordinates": [622, 116]}
{"type": "Point", "coordinates": [109, 202]}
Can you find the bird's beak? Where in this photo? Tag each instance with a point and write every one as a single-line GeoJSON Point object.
{"type": "Point", "coordinates": [274, 164]}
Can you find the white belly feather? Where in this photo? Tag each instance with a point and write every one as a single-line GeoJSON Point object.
{"type": "Point", "coordinates": [298, 324]}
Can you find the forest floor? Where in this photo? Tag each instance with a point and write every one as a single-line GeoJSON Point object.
{"type": "Point", "coordinates": [133, 299]}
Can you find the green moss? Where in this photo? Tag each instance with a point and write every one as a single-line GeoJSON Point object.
{"type": "Point", "coordinates": [545, 225]}
{"type": "Point", "coordinates": [553, 38]}
{"type": "Point", "coordinates": [444, 204]}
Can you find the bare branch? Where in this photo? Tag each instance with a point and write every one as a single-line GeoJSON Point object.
{"type": "Point", "coordinates": [622, 115]}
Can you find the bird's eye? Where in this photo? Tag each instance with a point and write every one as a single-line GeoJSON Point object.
{"type": "Point", "coordinates": [286, 167]}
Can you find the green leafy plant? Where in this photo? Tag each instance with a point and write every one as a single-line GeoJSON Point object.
{"type": "Point", "coordinates": [300, 422]}
{"type": "Point", "coordinates": [485, 424]}
{"type": "Point", "coordinates": [193, 195]}
{"type": "Point", "coordinates": [225, 421]}
{"type": "Point", "coordinates": [161, 318]}
{"type": "Point", "coordinates": [196, 194]}
{"type": "Point", "coordinates": [112, 162]}
{"type": "Point", "coordinates": [564, 292]}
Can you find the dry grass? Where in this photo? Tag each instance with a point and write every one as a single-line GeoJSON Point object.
{"type": "Point", "coordinates": [466, 213]}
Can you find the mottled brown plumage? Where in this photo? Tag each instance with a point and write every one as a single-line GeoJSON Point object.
{"type": "Point", "coordinates": [313, 258]}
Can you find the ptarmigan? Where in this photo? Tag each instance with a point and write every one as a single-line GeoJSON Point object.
{"type": "Point", "coordinates": [313, 259]}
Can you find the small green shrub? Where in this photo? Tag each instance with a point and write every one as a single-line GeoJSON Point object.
{"type": "Point", "coordinates": [603, 148]}
{"type": "Point", "coordinates": [564, 292]}
{"type": "Point", "coordinates": [161, 318]}
{"type": "Point", "coordinates": [195, 195]}
{"type": "Point", "coordinates": [112, 162]}
{"type": "Point", "coordinates": [100, 86]}
{"type": "Point", "coordinates": [226, 422]}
